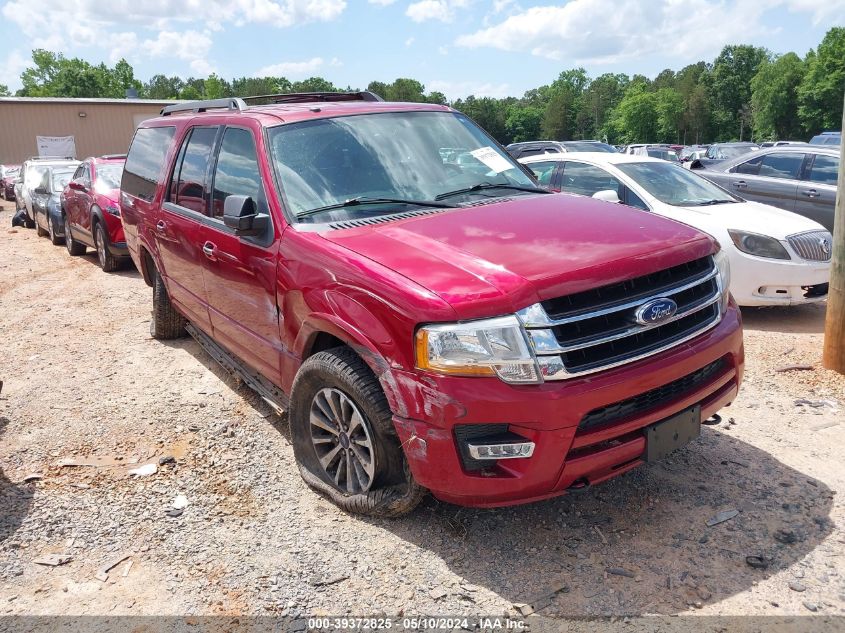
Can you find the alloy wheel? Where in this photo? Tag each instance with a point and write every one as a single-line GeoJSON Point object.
{"type": "Point", "coordinates": [101, 247]}
{"type": "Point", "coordinates": [342, 441]}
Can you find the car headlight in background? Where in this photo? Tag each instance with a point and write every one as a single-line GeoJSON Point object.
{"type": "Point", "coordinates": [491, 347]}
{"type": "Point", "coordinates": [759, 245]}
{"type": "Point", "coordinates": [724, 266]}
{"type": "Point", "coordinates": [113, 209]}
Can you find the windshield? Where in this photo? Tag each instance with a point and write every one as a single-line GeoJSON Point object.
{"type": "Point", "coordinates": [663, 154]}
{"type": "Point", "coordinates": [108, 175]}
{"type": "Point", "coordinates": [672, 184]}
{"type": "Point", "coordinates": [398, 155]}
{"type": "Point", "coordinates": [61, 179]}
{"type": "Point", "coordinates": [574, 146]}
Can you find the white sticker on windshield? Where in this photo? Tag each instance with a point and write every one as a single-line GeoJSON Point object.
{"type": "Point", "coordinates": [492, 159]}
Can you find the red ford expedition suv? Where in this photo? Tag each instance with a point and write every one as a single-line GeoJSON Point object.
{"type": "Point", "coordinates": [427, 325]}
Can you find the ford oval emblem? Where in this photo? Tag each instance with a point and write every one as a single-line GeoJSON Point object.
{"type": "Point", "coordinates": [656, 311]}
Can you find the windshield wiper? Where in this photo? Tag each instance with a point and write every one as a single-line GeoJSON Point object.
{"type": "Point", "coordinates": [361, 200]}
{"type": "Point", "coordinates": [705, 203]}
{"type": "Point", "coordinates": [488, 185]}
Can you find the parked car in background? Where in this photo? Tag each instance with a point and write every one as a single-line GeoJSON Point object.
{"type": "Point", "coordinates": [718, 152]}
{"type": "Point", "coordinates": [827, 138]}
{"type": "Point", "coordinates": [46, 203]}
{"type": "Point", "coordinates": [799, 178]}
{"type": "Point", "coordinates": [426, 325]}
{"type": "Point", "coordinates": [657, 151]}
{"type": "Point", "coordinates": [533, 148]}
{"type": "Point", "coordinates": [91, 211]}
{"type": "Point", "coordinates": [32, 173]}
{"type": "Point", "coordinates": [779, 143]}
{"type": "Point", "coordinates": [10, 173]}
{"type": "Point", "coordinates": [777, 257]}
{"type": "Point", "coordinates": [692, 152]}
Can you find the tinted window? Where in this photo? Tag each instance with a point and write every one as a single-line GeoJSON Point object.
{"type": "Point", "coordinates": [825, 170]}
{"type": "Point", "coordinates": [781, 165]}
{"type": "Point", "coordinates": [189, 186]}
{"type": "Point", "coordinates": [145, 160]}
{"type": "Point", "coordinates": [748, 167]}
{"type": "Point", "coordinates": [237, 171]}
{"type": "Point", "coordinates": [633, 200]}
{"type": "Point", "coordinates": [543, 171]}
{"type": "Point", "coordinates": [586, 180]}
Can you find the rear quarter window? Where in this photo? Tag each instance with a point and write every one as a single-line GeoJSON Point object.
{"type": "Point", "coordinates": [145, 161]}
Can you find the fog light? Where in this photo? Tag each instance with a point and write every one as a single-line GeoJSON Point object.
{"type": "Point", "coordinates": [514, 450]}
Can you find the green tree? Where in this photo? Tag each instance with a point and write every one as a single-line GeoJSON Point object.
{"type": "Point", "coordinates": [523, 123]}
{"type": "Point", "coordinates": [774, 98]}
{"type": "Point", "coordinates": [733, 71]}
{"type": "Point", "coordinates": [256, 86]}
{"type": "Point", "coordinates": [216, 88]}
{"type": "Point", "coordinates": [820, 91]}
{"type": "Point", "coordinates": [4, 90]}
{"type": "Point", "coordinates": [161, 87]}
{"type": "Point", "coordinates": [313, 84]}
{"type": "Point", "coordinates": [636, 116]}
{"type": "Point", "coordinates": [670, 115]}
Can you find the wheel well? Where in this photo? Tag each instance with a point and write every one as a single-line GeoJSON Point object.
{"type": "Point", "coordinates": [149, 267]}
{"type": "Point", "coordinates": [323, 341]}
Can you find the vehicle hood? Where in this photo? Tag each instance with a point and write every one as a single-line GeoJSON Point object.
{"type": "Point", "coordinates": [505, 255]}
{"type": "Point", "coordinates": [753, 217]}
{"type": "Point", "coordinates": [107, 196]}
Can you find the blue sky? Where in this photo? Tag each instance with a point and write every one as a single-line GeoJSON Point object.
{"type": "Point", "coordinates": [459, 47]}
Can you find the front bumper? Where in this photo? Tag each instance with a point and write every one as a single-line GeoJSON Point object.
{"type": "Point", "coordinates": [118, 249]}
{"type": "Point", "coordinates": [431, 407]}
{"type": "Point", "coordinates": [756, 281]}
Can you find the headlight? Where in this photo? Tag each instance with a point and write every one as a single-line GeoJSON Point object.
{"type": "Point", "coordinates": [113, 209]}
{"type": "Point", "coordinates": [724, 266]}
{"type": "Point", "coordinates": [759, 245]}
{"type": "Point", "coordinates": [492, 347]}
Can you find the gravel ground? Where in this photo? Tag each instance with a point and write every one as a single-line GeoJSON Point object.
{"type": "Point", "coordinates": [84, 382]}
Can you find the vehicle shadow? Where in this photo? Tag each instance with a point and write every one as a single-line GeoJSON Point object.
{"type": "Point", "coordinates": [801, 319]}
{"type": "Point", "coordinates": [648, 527]}
{"type": "Point", "coordinates": [127, 268]}
{"type": "Point", "coordinates": [15, 499]}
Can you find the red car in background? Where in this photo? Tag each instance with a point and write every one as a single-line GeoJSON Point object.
{"type": "Point", "coordinates": [91, 211]}
{"type": "Point", "coordinates": [8, 175]}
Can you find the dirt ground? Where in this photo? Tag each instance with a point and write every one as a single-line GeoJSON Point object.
{"type": "Point", "coordinates": [84, 382]}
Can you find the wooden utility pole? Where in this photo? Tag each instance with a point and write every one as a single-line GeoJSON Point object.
{"type": "Point", "coordinates": [834, 331]}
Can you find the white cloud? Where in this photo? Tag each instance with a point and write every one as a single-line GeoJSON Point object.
{"type": "Point", "coordinates": [294, 69]}
{"type": "Point", "coordinates": [605, 31]}
{"type": "Point", "coordinates": [382, 3]}
{"type": "Point", "coordinates": [11, 69]}
{"type": "Point", "coordinates": [457, 89]}
{"type": "Point", "coordinates": [409, 41]}
{"type": "Point", "coordinates": [440, 10]}
{"type": "Point", "coordinates": [830, 12]}
{"type": "Point", "coordinates": [190, 46]}
{"type": "Point", "coordinates": [118, 26]}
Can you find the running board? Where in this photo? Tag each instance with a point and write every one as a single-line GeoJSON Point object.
{"type": "Point", "coordinates": [269, 392]}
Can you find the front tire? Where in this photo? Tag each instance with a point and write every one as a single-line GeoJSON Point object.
{"type": "Point", "coordinates": [73, 247]}
{"type": "Point", "coordinates": [108, 262]}
{"type": "Point", "coordinates": [39, 231]}
{"type": "Point", "coordinates": [343, 437]}
{"type": "Point", "coordinates": [51, 231]}
{"type": "Point", "coordinates": [166, 323]}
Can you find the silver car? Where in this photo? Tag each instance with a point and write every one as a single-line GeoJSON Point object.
{"type": "Point", "coordinates": [799, 178]}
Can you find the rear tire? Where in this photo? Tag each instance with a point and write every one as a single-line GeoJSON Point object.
{"type": "Point", "coordinates": [337, 437]}
{"type": "Point", "coordinates": [73, 247]}
{"type": "Point", "coordinates": [166, 323]}
{"type": "Point", "coordinates": [108, 262]}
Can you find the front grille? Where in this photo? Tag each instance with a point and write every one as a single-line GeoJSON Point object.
{"type": "Point", "coordinates": [597, 329]}
{"type": "Point", "coordinates": [815, 246]}
{"type": "Point", "coordinates": [659, 396]}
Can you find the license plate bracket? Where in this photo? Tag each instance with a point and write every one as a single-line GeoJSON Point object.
{"type": "Point", "coordinates": [672, 433]}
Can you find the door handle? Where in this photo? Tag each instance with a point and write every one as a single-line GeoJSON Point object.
{"type": "Point", "coordinates": [740, 184]}
{"type": "Point", "coordinates": [161, 227]}
{"type": "Point", "coordinates": [210, 251]}
{"type": "Point", "coordinates": [811, 193]}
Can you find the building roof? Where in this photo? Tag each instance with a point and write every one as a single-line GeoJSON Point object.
{"type": "Point", "coordinates": [156, 102]}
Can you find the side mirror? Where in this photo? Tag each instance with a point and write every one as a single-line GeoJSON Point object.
{"type": "Point", "coordinates": [696, 164]}
{"type": "Point", "coordinates": [608, 195]}
{"type": "Point", "coordinates": [241, 214]}
{"type": "Point", "coordinates": [41, 191]}
{"type": "Point", "coordinates": [76, 185]}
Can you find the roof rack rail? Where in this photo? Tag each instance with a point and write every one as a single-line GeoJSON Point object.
{"type": "Point", "coordinates": [51, 158]}
{"type": "Point", "coordinates": [229, 103]}
{"type": "Point", "coordinates": [311, 97]}
{"type": "Point", "coordinates": [113, 156]}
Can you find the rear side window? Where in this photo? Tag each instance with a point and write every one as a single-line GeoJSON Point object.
{"type": "Point", "coordinates": [544, 171]}
{"type": "Point", "coordinates": [189, 186]}
{"type": "Point", "coordinates": [237, 172]}
{"type": "Point", "coordinates": [145, 161]}
{"type": "Point", "coordinates": [825, 170]}
{"type": "Point", "coordinates": [781, 165]}
{"type": "Point", "coordinates": [748, 167]}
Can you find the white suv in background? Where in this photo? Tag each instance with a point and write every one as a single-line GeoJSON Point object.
{"type": "Point", "coordinates": [32, 171]}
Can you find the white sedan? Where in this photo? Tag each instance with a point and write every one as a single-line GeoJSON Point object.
{"type": "Point", "coordinates": [777, 257]}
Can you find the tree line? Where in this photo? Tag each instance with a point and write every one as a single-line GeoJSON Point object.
{"type": "Point", "coordinates": [746, 93]}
